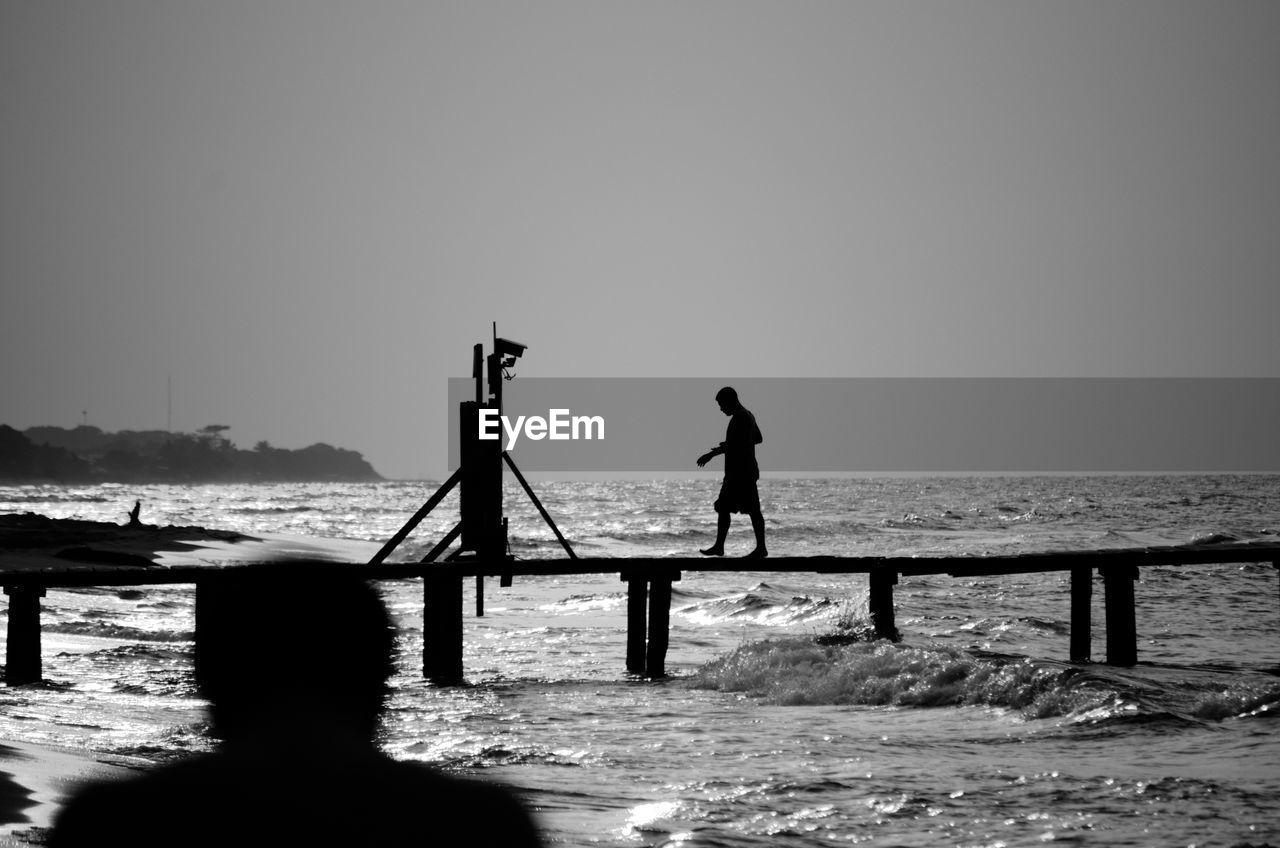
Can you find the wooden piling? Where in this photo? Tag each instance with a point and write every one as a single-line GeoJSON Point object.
{"type": "Point", "coordinates": [655, 665]}
{"type": "Point", "coordinates": [203, 592]}
{"type": "Point", "coordinates": [22, 647]}
{"type": "Point", "coordinates": [1081, 621]}
{"type": "Point", "coordinates": [442, 629]}
{"type": "Point", "coordinates": [880, 603]}
{"type": "Point", "coordinates": [1122, 629]}
{"type": "Point", "coordinates": [637, 609]}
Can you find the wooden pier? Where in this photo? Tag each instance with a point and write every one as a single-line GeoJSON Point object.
{"type": "Point", "coordinates": [482, 552]}
{"type": "Point", "coordinates": [648, 580]}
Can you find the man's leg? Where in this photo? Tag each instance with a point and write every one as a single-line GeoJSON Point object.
{"type": "Point", "coordinates": [757, 524]}
{"type": "Point", "coordinates": [722, 533]}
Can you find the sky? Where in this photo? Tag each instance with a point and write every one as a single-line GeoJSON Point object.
{"type": "Point", "coordinates": [301, 214]}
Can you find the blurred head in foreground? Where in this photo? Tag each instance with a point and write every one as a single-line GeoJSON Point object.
{"type": "Point", "coordinates": [293, 650]}
{"type": "Point", "coordinates": [295, 671]}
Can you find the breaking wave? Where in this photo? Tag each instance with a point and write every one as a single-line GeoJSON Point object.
{"type": "Point", "coordinates": [109, 630]}
{"type": "Point", "coordinates": [798, 671]}
{"type": "Point", "coordinates": [764, 603]}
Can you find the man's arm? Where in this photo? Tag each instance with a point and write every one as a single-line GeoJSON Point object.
{"type": "Point", "coordinates": [711, 454]}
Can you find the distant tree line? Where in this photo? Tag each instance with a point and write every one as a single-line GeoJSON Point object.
{"type": "Point", "coordinates": [88, 454]}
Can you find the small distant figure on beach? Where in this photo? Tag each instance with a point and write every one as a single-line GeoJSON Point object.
{"type": "Point", "coordinates": [738, 492]}
{"type": "Point", "coordinates": [295, 671]}
{"type": "Point", "coordinates": [134, 513]}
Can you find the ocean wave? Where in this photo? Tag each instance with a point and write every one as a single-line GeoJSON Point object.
{"type": "Point", "coordinates": [502, 755]}
{"type": "Point", "coordinates": [787, 527]}
{"type": "Point", "coordinates": [271, 510]}
{"type": "Point", "coordinates": [801, 672]}
{"type": "Point", "coordinates": [107, 630]}
{"type": "Point", "coordinates": [864, 672]}
{"type": "Point", "coordinates": [197, 738]}
{"type": "Point", "coordinates": [764, 604]}
{"type": "Point", "coordinates": [1045, 625]}
{"type": "Point", "coordinates": [158, 685]}
{"type": "Point", "coordinates": [60, 496]}
{"type": "Point", "coordinates": [915, 521]}
{"type": "Point", "coordinates": [1033, 515]}
{"type": "Point", "coordinates": [650, 534]}
{"type": "Point", "coordinates": [587, 602]}
{"type": "Point", "coordinates": [1239, 702]}
{"type": "Point", "coordinates": [1213, 537]}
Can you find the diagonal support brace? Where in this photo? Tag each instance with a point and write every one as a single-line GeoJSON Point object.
{"type": "Point", "coordinates": [541, 510]}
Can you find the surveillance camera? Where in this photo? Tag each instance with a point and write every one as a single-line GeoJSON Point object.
{"type": "Point", "coordinates": [508, 348]}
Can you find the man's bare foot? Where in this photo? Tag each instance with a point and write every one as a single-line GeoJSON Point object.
{"type": "Point", "coordinates": [758, 553]}
{"type": "Point", "coordinates": [712, 551]}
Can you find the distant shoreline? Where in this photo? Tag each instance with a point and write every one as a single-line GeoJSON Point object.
{"type": "Point", "coordinates": [56, 455]}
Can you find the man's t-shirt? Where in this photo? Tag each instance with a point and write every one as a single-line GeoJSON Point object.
{"type": "Point", "coordinates": [740, 440]}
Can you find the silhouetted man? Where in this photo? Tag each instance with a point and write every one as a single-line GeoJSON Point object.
{"type": "Point", "coordinates": [295, 672]}
{"type": "Point", "coordinates": [738, 491]}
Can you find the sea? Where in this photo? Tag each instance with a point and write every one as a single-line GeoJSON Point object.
{"type": "Point", "coordinates": [782, 722]}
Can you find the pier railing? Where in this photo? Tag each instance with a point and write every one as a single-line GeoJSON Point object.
{"type": "Point", "coordinates": [649, 581]}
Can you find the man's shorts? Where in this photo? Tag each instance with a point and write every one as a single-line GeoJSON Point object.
{"type": "Point", "coordinates": [738, 496]}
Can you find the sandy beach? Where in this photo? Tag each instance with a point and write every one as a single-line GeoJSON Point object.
{"type": "Point", "coordinates": [30, 540]}
{"type": "Point", "coordinates": [35, 780]}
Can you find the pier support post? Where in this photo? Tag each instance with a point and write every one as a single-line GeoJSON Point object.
{"type": "Point", "coordinates": [442, 630]}
{"type": "Point", "coordinates": [637, 607]}
{"type": "Point", "coordinates": [655, 664]}
{"type": "Point", "coordinates": [22, 647]}
{"type": "Point", "coordinates": [1081, 622]}
{"type": "Point", "coordinates": [648, 622]}
{"type": "Point", "coordinates": [1122, 629]}
{"type": "Point", "coordinates": [203, 593]}
{"type": "Point", "coordinates": [880, 603]}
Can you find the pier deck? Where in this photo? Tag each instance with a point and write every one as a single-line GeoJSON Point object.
{"type": "Point", "coordinates": [648, 581]}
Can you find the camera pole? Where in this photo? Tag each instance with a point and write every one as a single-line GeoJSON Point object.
{"type": "Point", "coordinates": [483, 527]}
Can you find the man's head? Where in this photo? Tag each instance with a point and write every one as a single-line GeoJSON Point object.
{"type": "Point", "coordinates": [269, 646]}
{"type": "Point", "coordinates": [728, 400]}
